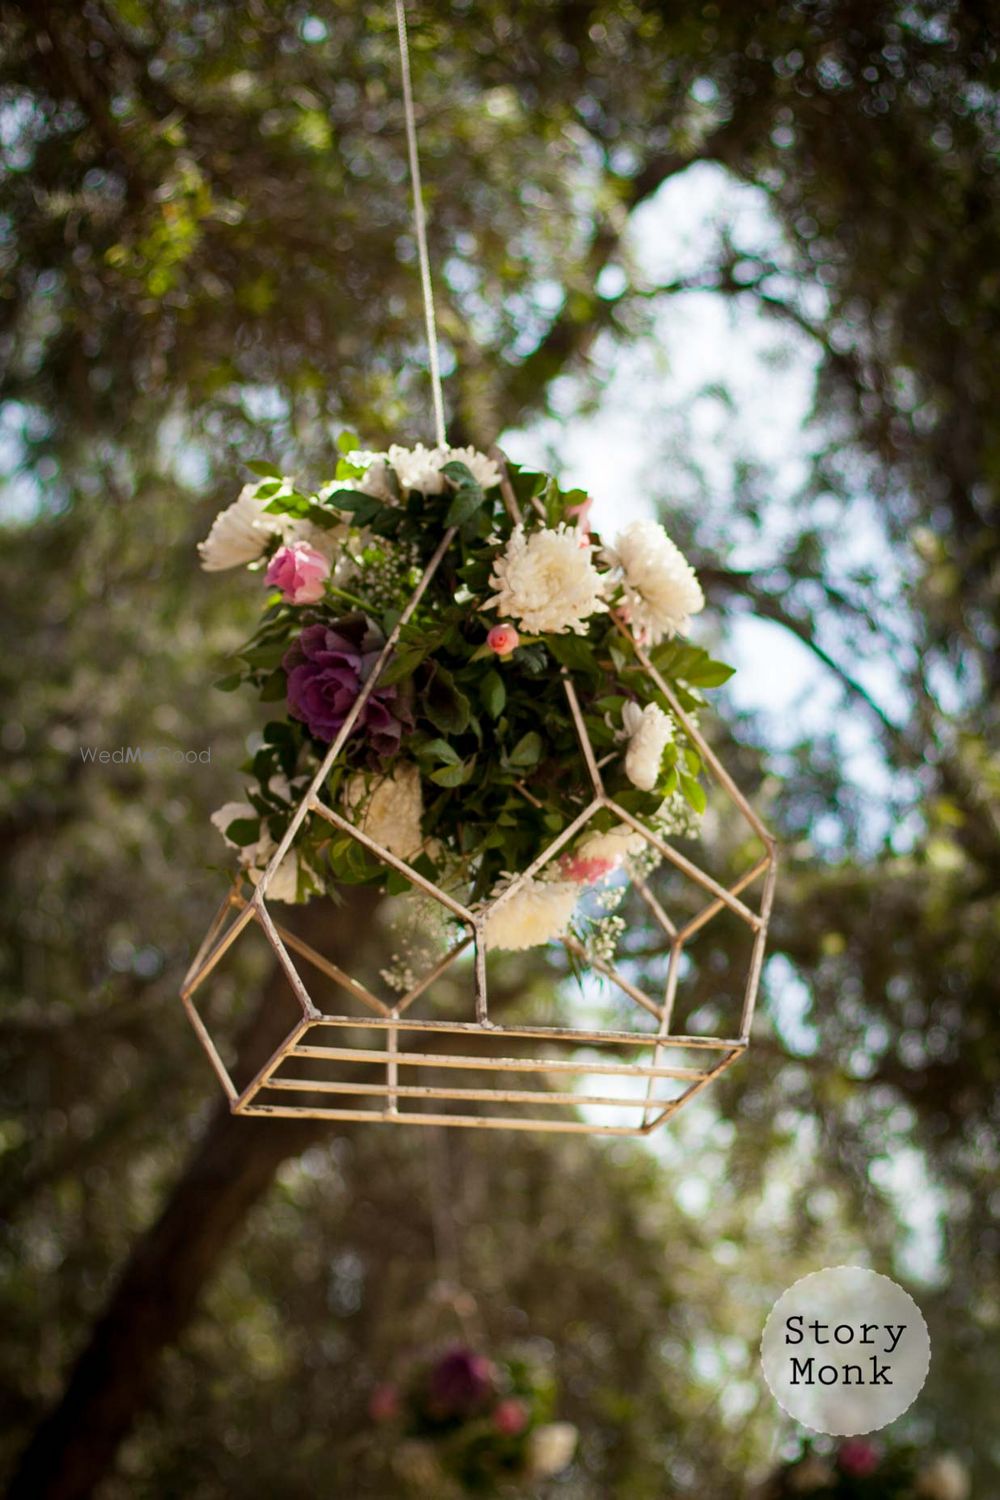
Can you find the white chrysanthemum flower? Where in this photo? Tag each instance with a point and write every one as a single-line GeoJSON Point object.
{"type": "Point", "coordinates": [284, 885]}
{"type": "Point", "coordinates": [551, 1448]}
{"type": "Point", "coordinates": [613, 847]}
{"type": "Point", "coordinates": [536, 914]}
{"type": "Point", "coordinates": [388, 810]}
{"type": "Point", "coordinates": [661, 588]}
{"type": "Point", "coordinates": [944, 1478]}
{"type": "Point", "coordinates": [546, 581]}
{"type": "Point", "coordinates": [240, 533]}
{"type": "Point", "coordinates": [418, 468]}
{"type": "Point", "coordinates": [483, 469]}
{"type": "Point", "coordinates": [649, 732]}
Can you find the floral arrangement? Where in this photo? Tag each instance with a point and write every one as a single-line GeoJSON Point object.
{"type": "Point", "coordinates": [462, 1419]}
{"type": "Point", "coordinates": [860, 1469]}
{"type": "Point", "coordinates": [465, 761]}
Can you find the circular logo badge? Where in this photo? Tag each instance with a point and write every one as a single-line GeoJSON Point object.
{"type": "Point", "coordinates": [845, 1351]}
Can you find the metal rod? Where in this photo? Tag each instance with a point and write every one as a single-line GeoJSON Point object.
{"type": "Point", "coordinates": [634, 993]}
{"type": "Point", "coordinates": [470, 1122]}
{"type": "Point", "coordinates": [492, 1064]}
{"type": "Point", "coordinates": [567, 1034]}
{"type": "Point", "coordinates": [691, 870]}
{"type": "Point", "coordinates": [427, 1091]}
{"type": "Point", "coordinates": [715, 907]}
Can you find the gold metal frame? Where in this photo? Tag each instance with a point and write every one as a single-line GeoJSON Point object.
{"type": "Point", "coordinates": [388, 1045]}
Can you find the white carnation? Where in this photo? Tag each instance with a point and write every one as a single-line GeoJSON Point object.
{"type": "Point", "coordinates": [649, 733]}
{"type": "Point", "coordinates": [547, 581]}
{"type": "Point", "coordinates": [239, 533]}
{"type": "Point", "coordinates": [388, 811]}
{"type": "Point", "coordinates": [483, 469]}
{"type": "Point", "coordinates": [944, 1478]}
{"type": "Point", "coordinates": [539, 912]}
{"type": "Point", "coordinates": [418, 468]}
{"type": "Point", "coordinates": [661, 590]}
{"type": "Point", "coordinates": [551, 1448]}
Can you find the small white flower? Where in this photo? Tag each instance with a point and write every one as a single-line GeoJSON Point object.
{"type": "Point", "coordinates": [551, 1448]}
{"type": "Point", "coordinates": [239, 533]}
{"type": "Point", "coordinates": [483, 469]}
{"type": "Point", "coordinates": [547, 581]}
{"type": "Point", "coordinates": [538, 913]}
{"type": "Point", "coordinates": [418, 468]}
{"type": "Point", "coordinates": [661, 590]}
{"type": "Point", "coordinates": [649, 732]}
{"type": "Point", "coordinates": [388, 810]}
{"type": "Point", "coordinates": [944, 1478]}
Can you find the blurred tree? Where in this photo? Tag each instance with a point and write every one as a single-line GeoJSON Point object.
{"type": "Point", "coordinates": [207, 255]}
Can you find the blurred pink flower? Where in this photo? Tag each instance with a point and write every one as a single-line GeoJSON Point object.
{"type": "Point", "coordinates": [300, 572]}
{"type": "Point", "coordinates": [510, 1416]}
{"type": "Point", "coordinates": [859, 1458]}
{"type": "Point", "coordinates": [583, 870]}
{"type": "Point", "coordinates": [503, 639]}
{"type": "Point", "coordinates": [383, 1403]}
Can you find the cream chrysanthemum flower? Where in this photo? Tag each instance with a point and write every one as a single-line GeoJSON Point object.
{"type": "Point", "coordinates": [661, 590]}
{"type": "Point", "coordinates": [240, 533]}
{"type": "Point", "coordinates": [482, 468]}
{"type": "Point", "coordinates": [388, 810]}
{"type": "Point", "coordinates": [551, 1448]}
{"type": "Point", "coordinates": [649, 732]}
{"type": "Point", "coordinates": [536, 914]}
{"type": "Point", "coordinates": [615, 846]}
{"type": "Point", "coordinates": [547, 581]}
{"type": "Point", "coordinates": [418, 468]}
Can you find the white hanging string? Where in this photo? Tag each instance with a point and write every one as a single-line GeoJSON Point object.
{"type": "Point", "coordinates": [420, 224]}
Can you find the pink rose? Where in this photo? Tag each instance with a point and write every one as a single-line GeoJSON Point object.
{"type": "Point", "coordinates": [503, 639]}
{"type": "Point", "coordinates": [300, 572]}
{"type": "Point", "coordinates": [383, 1403]}
{"type": "Point", "coordinates": [510, 1417]}
{"type": "Point", "coordinates": [858, 1458]}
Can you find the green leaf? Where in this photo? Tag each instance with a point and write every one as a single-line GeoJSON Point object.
{"type": "Point", "coordinates": [693, 793]}
{"type": "Point", "coordinates": [709, 674]}
{"type": "Point", "coordinates": [527, 751]}
{"type": "Point", "coordinates": [402, 665]}
{"type": "Point", "coordinates": [348, 442]}
{"type": "Point", "coordinates": [229, 684]}
{"type": "Point", "coordinates": [444, 704]}
{"type": "Point", "coordinates": [273, 687]}
{"type": "Point", "coordinates": [243, 831]}
{"type": "Point", "coordinates": [493, 693]}
{"type": "Point", "coordinates": [264, 470]}
{"type": "Point", "coordinates": [573, 651]}
{"type": "Point", "coordinates": [454, 775]}
{"type": "Point", "coordinates": [440, 750]}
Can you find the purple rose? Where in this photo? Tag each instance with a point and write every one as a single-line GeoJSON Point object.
{"type": "Point", "coordinates": [326, 670]}
{"type": "Point", "coordinates": [460, 1384]}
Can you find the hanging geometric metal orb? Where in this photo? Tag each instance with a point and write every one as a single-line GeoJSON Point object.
{"type": "Point", "coordinates": [397, 1059]}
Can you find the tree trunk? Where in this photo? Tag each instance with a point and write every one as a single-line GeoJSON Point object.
{"type": "Point", "coordinates": [158, 1292]}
